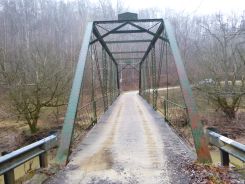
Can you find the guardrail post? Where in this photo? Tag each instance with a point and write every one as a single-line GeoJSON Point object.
{"type": "Point", "coordinates": [224, 158]}
{"type": "Point", "coordinates": [9, 177]}
{"type": "Point", "coordinates": [9, 161]}
{"type": "Point", "coordinates": [43, 160]}
{"type": "Point", "coordinates": [226, 146]}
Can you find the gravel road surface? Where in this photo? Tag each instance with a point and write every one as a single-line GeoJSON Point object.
{"type": "Point", "coordinates": [130, 144]}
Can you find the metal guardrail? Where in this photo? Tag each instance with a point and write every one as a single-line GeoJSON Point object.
{"type": "Point", "coordinates": [227, 147]}
{"type": "Point", "coordinates": [16, 158]}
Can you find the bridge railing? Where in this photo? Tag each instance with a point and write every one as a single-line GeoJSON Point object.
{"type": "Point", "coordinates": [176, 115]}
{"type": "Point", "coordinates": [16, 158]}
{"type": "Point", "coordinates": [89, 113]}
{"type": "Point", "coordinates": [96, 76]}
{"type": "Point", "coordinates": [173, 111]}
{"type": "Point", "coordinates": [227, 147]}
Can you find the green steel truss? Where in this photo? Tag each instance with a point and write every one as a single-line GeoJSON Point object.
{"type": "Point", "coordinates": [103, 77]}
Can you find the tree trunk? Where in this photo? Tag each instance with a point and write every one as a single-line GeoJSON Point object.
{"type": "Point", "coordinates": [33, 126]}
{"type": "Point", "coordinates": [230, 112]}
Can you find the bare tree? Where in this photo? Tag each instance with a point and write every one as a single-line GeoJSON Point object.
{"type": "Point", "coordinates": [36, 57]}
{"type": "Point", "coordinates": [221, 59]}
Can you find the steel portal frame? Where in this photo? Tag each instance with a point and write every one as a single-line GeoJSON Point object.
{"type": "Point", "coordinates": [169, 38]}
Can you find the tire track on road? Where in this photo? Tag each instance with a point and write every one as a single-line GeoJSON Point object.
{"type": "Point", "coordinates": [102, 159]}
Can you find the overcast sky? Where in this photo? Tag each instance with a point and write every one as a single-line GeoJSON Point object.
{"type": "Point", "coordinates": [188, 6]}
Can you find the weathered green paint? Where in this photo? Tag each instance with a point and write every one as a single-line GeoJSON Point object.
{"type": "Point", "coordinates": [105, 79]}
{"type": "Point", "coordinates": [200, 140]}
{"type": "Point", "coordinates": [154, 78]}
{"type": "Point", "coordinates": [110, 80]}
{"type": "Point", "coordinates": [110, 84]}
{"type": "Point", "coordinates": [140, 79]}
{"type": "Point", "coordinates": [144, 81]}
{"type": "Point", "coordinates": [165, 109]}
{"type": "Point", "coordinates": [142, 87]}
{"type": "Point", "coordinates": [113, 83]}
{"type": "Point", "coordinates": [68, 127]}
{"type": "Point", "coordinates": [118, 82]}
{"type": "Point", "coordinates": [93, 95]}
{"type": "Point", "coordinates": [148, 82]}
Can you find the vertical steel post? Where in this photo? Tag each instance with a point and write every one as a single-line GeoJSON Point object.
{"type": "Point", "coordinates": [43, 159]}
{"type": "Point", "coordinates": [118, 81]}
{"type": "Point", "coordinates": [165, 109]}
{"type": "Point", "coordinates": [147, 79]}
{"type": "Point", "coordinates": [113, 82]}
{"type": "Point", "coordinates": [140, 79]}
{"type": "Point", "coordinates": [68, 126]}
{"type": "Point", "coordinates": [110, 80]}
{"type": "Point", "coordinates": [224, 158]}
{"type": "Point", "coordinates": [166, 101]}
{"type": "Point", "coordinates": [9, 177]}
{"type": "Point", "coordinates": [105, 78]}
{"type": "Point", "coordinates": [93, 95]}
{"type": "Point", "coordinates": [200, 140]}
{"type": "Point", "coordinates": [142, 82]}
{"type": "Point", "coordinates": [154, 78]}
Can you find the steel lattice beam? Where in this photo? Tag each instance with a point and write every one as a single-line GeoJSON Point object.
{"type": "Point", "coordinates": [144, 79]}
{"type": "Point", "coordinates": [105, 79]}
{"type": "Point", "coordinates": [128, 52]}
{"type": "Point", "coordinates": [149, 32]}
{"type": "Point", "coordinates": [110, 81]}
{"type": "Point", "coordinates": [122, 21]}
{"type": "Point", "coordinates": [157, 35]}
{"type": "Point", "coordinates": [128, 31]}
{"type": "Point", "coordinates": [138, 58]}
{"type": "Point", "coordinates": [154, 78]}
{"type": "Point", "coordinates": [102, 42]}
{"type": "Point", "coordinates": [68, 126]}
{"type": "Point", "coordinates": [200, 139]}
{"type": "Point", "coordinates": [99, 37]}
{"type": "Point", "coordinates": [127, 41]}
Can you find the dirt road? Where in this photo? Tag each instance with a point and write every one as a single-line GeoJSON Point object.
{"type": "Point", "coordinates": [130, 144]}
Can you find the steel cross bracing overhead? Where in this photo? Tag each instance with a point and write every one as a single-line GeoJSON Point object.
{"type": "Point", "coordinates": [123, 42]}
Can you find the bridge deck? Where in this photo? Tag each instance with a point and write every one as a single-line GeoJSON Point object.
{"type": "Point", "coordinates": [130, 144]}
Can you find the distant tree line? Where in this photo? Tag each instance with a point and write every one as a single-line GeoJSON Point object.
{"type": "Point", "coordinates": [40, 42]}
